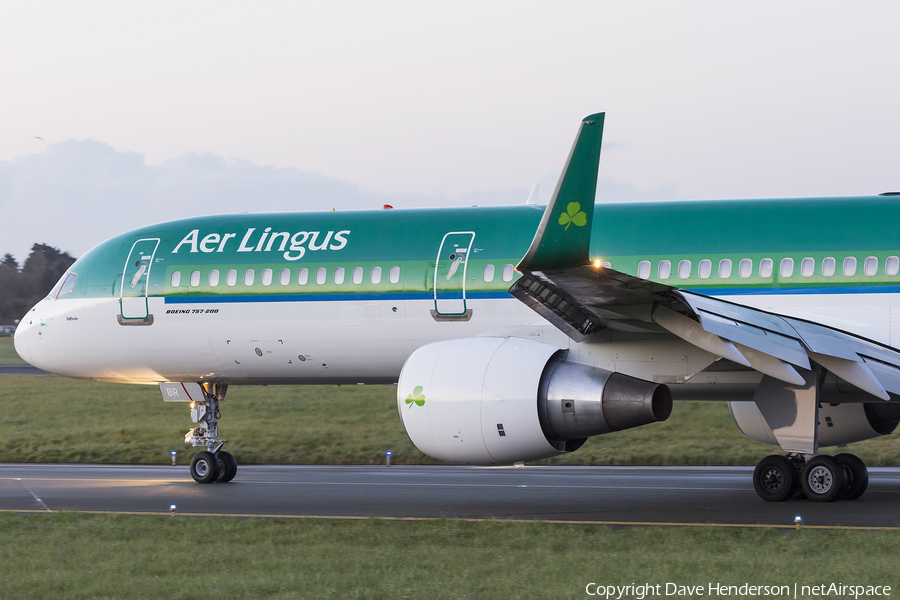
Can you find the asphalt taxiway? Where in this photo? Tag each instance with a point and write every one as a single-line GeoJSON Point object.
{"type": "Point", "coordinates": [616, 495]}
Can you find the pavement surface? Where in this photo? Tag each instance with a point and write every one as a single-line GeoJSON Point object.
{"type": "Point", "coordinates": [612, 495]}
{"type": "Point", "coordinates": [21, 370]}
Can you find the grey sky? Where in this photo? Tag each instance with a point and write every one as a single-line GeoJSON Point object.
{"type": "Point", "coordinates": [205, 106]}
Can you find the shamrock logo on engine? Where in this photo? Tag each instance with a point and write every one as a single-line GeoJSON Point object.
{"type": "Point", "coordinates": [417, 397]}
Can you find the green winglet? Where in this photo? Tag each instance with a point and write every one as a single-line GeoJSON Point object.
{"type": "Point", "coordinates": [564, 236]}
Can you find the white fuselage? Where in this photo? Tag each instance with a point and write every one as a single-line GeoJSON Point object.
{"type": "Point", "coordinates": [343, 341]}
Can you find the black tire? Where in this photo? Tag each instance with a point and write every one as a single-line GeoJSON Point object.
{"type": "Point", "coordinates": [823, 479]}
{"type": "Point", "coordinates": [229, 466]}
{"type": "Point", "coordinates": [205, 467]}
{"type": "Point", "coordinates": [774, 479]}
{"type": "Point", "coordinates": [858, 479]}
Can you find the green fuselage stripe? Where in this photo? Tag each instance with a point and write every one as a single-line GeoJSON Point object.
{"type": "Point", "coordinates": [623, 235]}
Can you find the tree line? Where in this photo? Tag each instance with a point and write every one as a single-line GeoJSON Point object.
{"type": "Point", "coordinates": [22, 287]}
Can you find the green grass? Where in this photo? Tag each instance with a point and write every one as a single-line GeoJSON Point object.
{"type": "Point", "coordinates": [54, 419]}
{"type": "Point", "coordinates": [120, 557]}
{"type": "Point", "coordinates": [8, 355]}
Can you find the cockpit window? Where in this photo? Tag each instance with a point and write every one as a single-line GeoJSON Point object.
{"type": "Point", "coordinates": [68, 285]}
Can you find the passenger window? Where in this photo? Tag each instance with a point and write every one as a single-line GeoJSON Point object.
{"type": "Point", "coordinates": [765, 267]}
{"type": "Point", "coordinates": [807, 267]}
{"type": "Point", "coordinates": [249, 276]}
{"type": "Point", "coordinates": [704, 269]}
{"type": "Point", "coordinates": [665, 269]}
{"type": "Point", "coordinates": [745, 268]}
{"type": "Point", "coordinates": [303, 276]}
{"type": "Point", "coordinates": [787, 267]}
{"type": "Point", "coordinates": [725, 268]}
{"type": "Point", "coordinates": [321, 274]}
{"type": "Point", "coordinates": [213, 278]}
{"type": "Point", "coordinates": [267, 277]}
{"type": "Point", "coordinates": [870, 267]}
{"type": "Point", "coordinates": [828, 267]}
{"type": "Point", "coordinates": [892, 266]}
{"type": "Point", "coordinates": [850, 266]}
{"type": "Point", "coordinates": [357, 275]}
{"type": "Point", "coordinates": [339, 275]}
{"type": "Point", "coordinates": [195, 278]}
{"type": "Point", "coordinates": [644, 269]}
{"type": "Point", "coordinates": [231, 277]}
{"type": "Point", "coordinates": [68, 285]}
{"type": "Point", "coordinates": [376, 275]}
{"type": "Point", "coordinates": [684, 269]}
{"type": "Point", "coordinates": [507, 272]}
{"type": "Point", "coordinates": [488, 273]}
{"type": "Point", "coordinates": [176, 279]}
{"type": "Point", "coordinates": [285, 277]}
{"type": "Point", "coordinates": [394, 275]}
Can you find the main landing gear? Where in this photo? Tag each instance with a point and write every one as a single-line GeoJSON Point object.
{"type": "Point", "coordinates": [818, 478]}
{"type": "Point", "coordinates": [213, 464]}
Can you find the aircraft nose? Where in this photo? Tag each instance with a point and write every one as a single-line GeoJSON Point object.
{"type": "Point", "coordinates": [19, 340]}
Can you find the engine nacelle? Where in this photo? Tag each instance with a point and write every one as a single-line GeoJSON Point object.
{"type": "Point", "coordinates": [491, 401]}
{"type": "Point", "coordinates": [839, 424]}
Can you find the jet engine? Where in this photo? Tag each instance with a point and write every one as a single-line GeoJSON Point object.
{"type": "Point", "coordinates": [839, 423]}
{"type": "Point", "coordinates": [493, 401]}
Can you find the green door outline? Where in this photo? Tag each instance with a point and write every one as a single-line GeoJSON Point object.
{"type": "Point", "coordinates": [135, 284]}
{"type": "Point", "coordinates": [450, 273]}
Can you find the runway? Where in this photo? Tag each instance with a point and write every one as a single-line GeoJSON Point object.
{"type": "Point", "coordinates": [21, 370]}
{"type": "Point", "coordinates": [616, 495]}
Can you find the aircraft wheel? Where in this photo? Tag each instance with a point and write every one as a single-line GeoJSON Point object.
{"type": "Point", "coordinates": [229, 466]}
{"type": "Point", "coordinates": [204, 467]}
{"type": "Point", "coordinates": [774, 478]}
{"type": "Point", "coordinates": [823, 479]}
{"type": "Point", "coordinates": [858, 479]}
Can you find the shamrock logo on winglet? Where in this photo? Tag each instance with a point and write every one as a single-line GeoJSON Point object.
{"type": "Point", "coordinates": [573, 214]}
{"type": "Point", "coordinates": [416, 397]}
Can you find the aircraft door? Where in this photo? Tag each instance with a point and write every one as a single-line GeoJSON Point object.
{"type": "Point", "coordinates": [450, 273]}
{"type": "Point", "coordinates": [135, 283]}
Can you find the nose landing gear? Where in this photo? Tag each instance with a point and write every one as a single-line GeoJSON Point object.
{"type": "Point", "coordinates": [213, 464]}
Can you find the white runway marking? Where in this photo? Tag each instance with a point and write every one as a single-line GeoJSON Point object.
{"type": "Point", "coordinates": [33, 495]}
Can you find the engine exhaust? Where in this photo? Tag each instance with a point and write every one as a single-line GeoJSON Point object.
{"type": "Point", "coordinates": [577, 401]}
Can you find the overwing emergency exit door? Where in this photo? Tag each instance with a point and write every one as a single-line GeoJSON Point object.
{"type": "Point", "coordinates": [450, 273]}
{"type": "Point", "coordinates": [135, 284]}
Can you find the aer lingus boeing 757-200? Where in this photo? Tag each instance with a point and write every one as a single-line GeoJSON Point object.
{"type": "Point", "coordinates": [514, 333]}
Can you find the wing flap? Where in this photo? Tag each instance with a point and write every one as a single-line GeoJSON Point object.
{"type": "Point", "coordinates": [852, 371]}
{"type": "Point", "coordinates": [780, 346]}
{"type": "Point", "coordinates": [887, 375]}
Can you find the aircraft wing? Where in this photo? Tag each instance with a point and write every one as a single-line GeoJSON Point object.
{"type": "Point", "coordinates": [580, 298]}
{"type": "Point", "coordinates": [586, 299]}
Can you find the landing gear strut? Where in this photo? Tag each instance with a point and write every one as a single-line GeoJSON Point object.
{"type": "Point", "coordinates": [819, 478]}
{"type": "Point", "coordinates": [213, 464]}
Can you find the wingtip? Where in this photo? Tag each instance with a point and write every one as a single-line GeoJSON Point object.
{"type": "Point", "coordinates": [563, 236]}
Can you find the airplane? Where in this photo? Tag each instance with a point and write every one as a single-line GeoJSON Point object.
{"type": "Point", "coordinates": [514, 333]}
